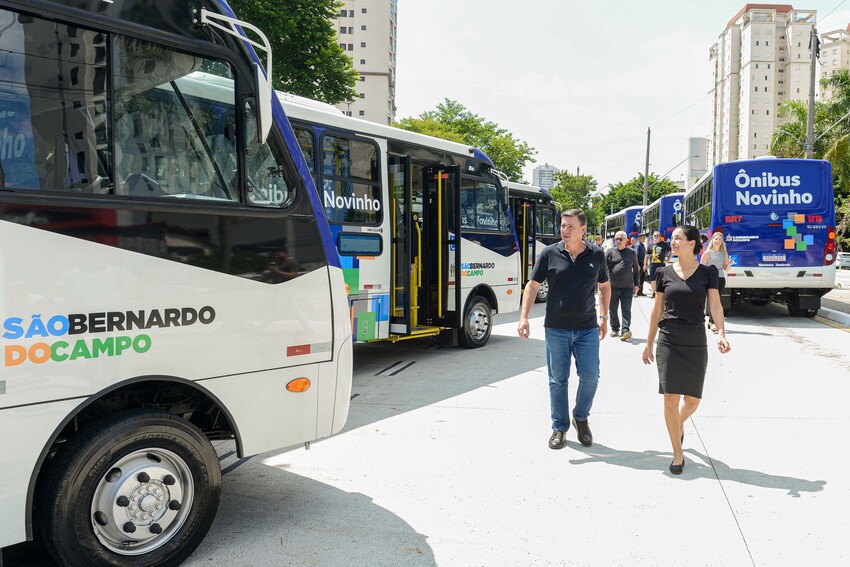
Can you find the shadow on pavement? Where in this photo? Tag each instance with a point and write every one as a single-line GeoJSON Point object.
{"type": "Point", "coordinates": [275, 522]}
{"type": "Point", "coordinates": [694, 469]}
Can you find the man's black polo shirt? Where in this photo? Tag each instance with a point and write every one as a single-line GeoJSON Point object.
{"type": "Point", "coordinates": [572, 285]}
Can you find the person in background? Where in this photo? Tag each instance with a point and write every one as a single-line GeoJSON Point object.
{"type": "Point", "coordinates": [598, 241]}
{"type": "Point", "coordinates": [682, 352]}
{"type": "Point", "coordinates": [573, 268]}
{"type": "Point", "coordinates": [640, 249]}
{"type": "Point", "coordinates": [624, 274]}
{"type": "Point", "coordinates": [659, 253]}
{"type": "Point", "coordinates": [716, 256]}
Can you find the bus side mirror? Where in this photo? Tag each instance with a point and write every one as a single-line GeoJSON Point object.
{"type": "Point", "coordinates": [263, 92]}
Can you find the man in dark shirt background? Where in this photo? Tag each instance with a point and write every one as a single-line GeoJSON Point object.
{"type": "Point", "coordinates": [656, 257]}
{"type": "Point", "coordinates": [640, 249]}
{"type": "Point", "coordinates": [573, 268]}
{"type": "Point", "coordinates": [624, 274]}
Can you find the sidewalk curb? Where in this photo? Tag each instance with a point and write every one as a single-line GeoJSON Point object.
{"type": "Point", "coordinates": [833, 315]}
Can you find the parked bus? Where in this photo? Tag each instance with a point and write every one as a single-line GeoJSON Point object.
{"type": "Point", "coordinates": [421, 224]}
{"type": "Point", "coordinates": [777, 217]}
{"type": "Point", "coordinates": [628, 220]}
{"type": "Point", "coordinates": [537, 222]}
{"type": "Point", "coordinates": [663, 215]}
{"type": "Point", "coordinates": [167, 275]}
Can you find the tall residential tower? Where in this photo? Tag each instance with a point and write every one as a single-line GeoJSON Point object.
{"type": "Point", "coordinates": [761, 59]}
{"type": "Point", "coordinates": [544, 176]}
{"type": "Point", "coordinates": [367, 33]}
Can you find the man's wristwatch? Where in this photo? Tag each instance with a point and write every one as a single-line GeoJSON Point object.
{"type": "Point", "coordinates": [603, 316]}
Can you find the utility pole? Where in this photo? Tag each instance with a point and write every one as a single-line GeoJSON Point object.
{"type": "Point", "coordinates": [646, 170]}
{"type": "Point", "coordinates": [810, 125]}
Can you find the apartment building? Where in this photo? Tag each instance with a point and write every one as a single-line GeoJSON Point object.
{"type": "Point", "coordinates": [834, 55]}
{"type": "Point", "coordinates": [761, 59]}
{"type": "Point", "coordinates": [544, 176]}
{"type": "Point", "coordinates": [367, 33]}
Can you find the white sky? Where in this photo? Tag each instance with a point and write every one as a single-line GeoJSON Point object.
{"type": "Point", "coordinates": [578, 81]}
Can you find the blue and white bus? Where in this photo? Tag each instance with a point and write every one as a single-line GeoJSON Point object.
{"type": "Point", "coordinates": [537, 222]}
{"type": "Point", "coordinates": [663, 215]}
{"type": "Point", "coordinates": [629, 220]}
{"type": "Point", "coordinates": [421, 224]}
{"type": "Point", "coordinates": [778, 220]}
{"type": "Point", "coordinates": [167, 275]}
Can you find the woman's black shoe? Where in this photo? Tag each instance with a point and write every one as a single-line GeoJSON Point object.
{"type": "Point", "coordinates": [677, 469]}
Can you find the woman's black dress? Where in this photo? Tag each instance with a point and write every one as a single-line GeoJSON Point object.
{"type": "Point", "coordinates": [681, 351]}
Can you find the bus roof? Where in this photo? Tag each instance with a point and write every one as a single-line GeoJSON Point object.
{"type": "Point", "coordinates": [667, 196]}
{"type": "Point", "coordinates": [317, 112]}
{"type": "Point", "coordinates": [622, 211]}
{"type": "Point", "coordinates": [529, 189]}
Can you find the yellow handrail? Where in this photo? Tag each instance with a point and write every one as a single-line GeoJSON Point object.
{"type": "Point", "coordinates": [439, 243]}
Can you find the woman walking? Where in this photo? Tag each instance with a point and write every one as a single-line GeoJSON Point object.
{"type": "Point", "coordinates": [677, 318]}
{"type": "Point", "coordinates": [716, 256]}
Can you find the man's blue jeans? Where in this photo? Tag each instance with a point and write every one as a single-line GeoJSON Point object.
{"type": "Point", "coordinates": [621, 297]}
{"type": "Point", "coordinates": [561, 345]}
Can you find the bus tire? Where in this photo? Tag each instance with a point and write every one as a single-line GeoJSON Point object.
{"type": "Point", "coordinates": [542, 292]}
{"type": "Point", "coordinates": [144, 477]}
{"type": "Point", "coordinates": [477, 323]}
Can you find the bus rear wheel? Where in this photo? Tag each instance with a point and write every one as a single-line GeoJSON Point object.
{"type": "Point", "coordinates": [542, 292]}
{"type": "Point", "coordinates": [477, 323]}
{"type": "Point", "coordinates": [138, 490]}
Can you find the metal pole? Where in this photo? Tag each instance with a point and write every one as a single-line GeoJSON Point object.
{"type": "Point", "coordinates": [810, 125]}
{"type": "Point", "coordinates": [646, 170]}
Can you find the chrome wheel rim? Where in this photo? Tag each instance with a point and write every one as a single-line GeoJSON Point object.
{"type": "Point", "coordinates": [142, 501]}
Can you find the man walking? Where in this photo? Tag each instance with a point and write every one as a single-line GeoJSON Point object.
{"type": "Point", "coordinates": [640, 249]}
{"type": "Point", "coordinates": [657, 257]}
{"type": "Point", "coordinates": [624, 275]}
{"type": "Point", "coordinates": [572, 268]}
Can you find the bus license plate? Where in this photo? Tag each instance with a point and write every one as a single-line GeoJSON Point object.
{"type": "Point", "coordinates": [774, 258]}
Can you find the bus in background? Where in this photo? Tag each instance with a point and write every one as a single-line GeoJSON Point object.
{"type": "Point", "coordinates": [168, 276]}
{"type": "Point", "coordinates": [537, 222]}
{"type": "Point", "coordinates": [421, 225]}
{"type": "Point", "coordinates": [628, 220]}
{"type": "Point", "coordinates": [777, 217]}
{"type": "Point", "coordinates": [664, 214]}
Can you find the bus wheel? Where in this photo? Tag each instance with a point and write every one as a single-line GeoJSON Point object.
{"type": "Point", "coordinates": [477, 324]}
{"type": "Point", "coordinates": [140, 489]}
{"type": "Point", "coordinates": [542, 293]}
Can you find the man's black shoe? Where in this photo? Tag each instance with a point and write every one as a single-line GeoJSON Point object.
{"type": "Point", "coordinates": [585, 437]}
{"type": "Point", "coordinates": [558, 439]}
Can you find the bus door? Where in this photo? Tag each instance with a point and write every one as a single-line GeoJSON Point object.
{"type": "Point", "coordinates": [441, 246]}
{"type": "Point", "coordinates": [524, 212]}
{"type": "Point", "coordinates": [404, 247]}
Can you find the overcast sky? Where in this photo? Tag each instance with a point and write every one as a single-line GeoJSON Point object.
{"type": "Point", "coordinates": [578, 81]}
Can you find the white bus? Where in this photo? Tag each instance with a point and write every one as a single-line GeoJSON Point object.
{"type": "Point", "coordinates": [167, 276]}
{"type": "Point", "coordinates": [421, 225]}
{"type": "Point", "coordinates": [537, 222]}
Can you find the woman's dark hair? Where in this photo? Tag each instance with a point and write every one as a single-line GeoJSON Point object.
{"type": "Point", "coordinates": [692, 234]}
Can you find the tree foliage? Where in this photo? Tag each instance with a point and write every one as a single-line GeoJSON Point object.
{"type": "Point", "coordinates": [453, 121]}
{"type": "Point", "coordinates": [576, 192]}
{"type": "Point", "coordinates": [308, 60]}
{"type": "Point", "coordinates": [630, 194]}
{"type": "Point", "coordinates": [832, 140]}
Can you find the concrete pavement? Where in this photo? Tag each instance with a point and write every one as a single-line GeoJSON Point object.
{"type": "Point", "coordinates": [446, 463]}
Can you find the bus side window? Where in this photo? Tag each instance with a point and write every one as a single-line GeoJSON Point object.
{"type": "Point", "coordinates": [53, 118]}
{"type": "Point", "coordinates": [268, 185]}
{"type": "Point", "coordinates": [174, 138]}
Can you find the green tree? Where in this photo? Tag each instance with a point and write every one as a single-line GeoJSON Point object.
{"type": "Point", "coordinates": [832, 141]}
{"type": "Point", "coordinates": [308, 60]}
{"type": "Point", "coordinates": [453, 121]}
{"type": "Point", "coordinates": [630, 193]}
{"type": "Point", "coordinates": [576, 192]}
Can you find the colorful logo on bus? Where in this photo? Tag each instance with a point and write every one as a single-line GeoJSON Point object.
{"type": "Point", "coordinates": [43, 329]}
